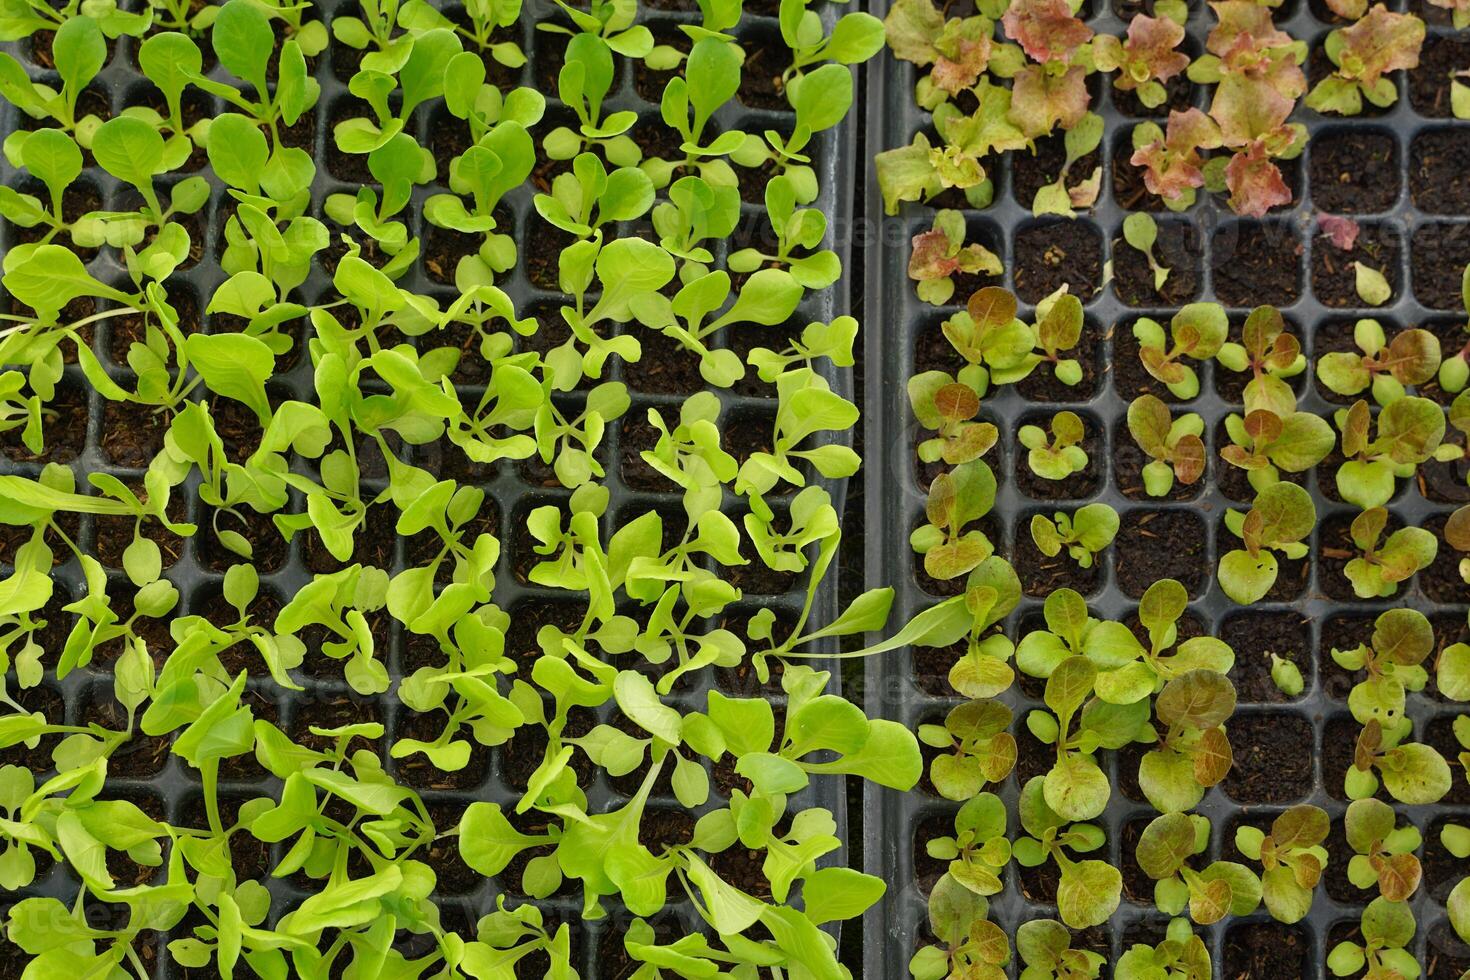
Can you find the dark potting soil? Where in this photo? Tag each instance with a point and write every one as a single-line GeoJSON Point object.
{"type": "Point", "coordinates": [928, 870]}
{"type": "Point", "coordinates": [1334, 275]}
{"type": "Point", "coordinates": [1441, 581]}
{"type": "Point", "coordinates": [932, 665]}
{"type": "Point", "coordinates": [1138, 888]}
{"type": "Point", "coordinates": [1039, 884]}
{"type": "Point", "coordinates": [526, 750]}
{"type": "Point", "coordinates": [1437, 171]}
{"type": "Point", "coordinates": [1052, 254]}
{"type": "Point", "coordinates": [132, 438]}
{"type": "Point", "coordinates": [1030, 172]}
{"type": "Point", "coordinates": [1335, 877]}
{"type": "Point", "coordinates": [665, 367]}
{"type": "Point", "coordinates": [1429, 83]}
{"type": "Point", "coordinates": [1128, 759]}
{"type": "Point", "coordinates": [1354, 171]}
{"type": "Point", "coordinates": [1442, 870]}
{"type": "Point", "coordinates": [1258, 951]}
{"type": "Point", "coordinates": [543, 246]}
{"type": "Point", "coordinates": [1159, 544]}
{"type": "Point", "coordinates": [1254, 637]}
{"type": "Point", "coordinates": [268, 548]}
{"type": "Point", "coordinates": [372, 544]}
{"type": "Point", "coordinates": [1178, 95]}
{"type": "Point", "coordinates": [1177, 249]}
{"type": "Point", "coordinates": [115, 533]}
{"type": "Point", "coordinates": [761, 86]}
{"type": "Point", "coordinates": [1446, 957]}
{"type": "Point", "coordinates": [1273, 758]}
{"type": "Point", "coordinates": [1440, 734]}
{"type": "Point", "coordinates": [335, 711]}
{"type": "Point", "coordinates": [1255, 262]}
{"type": "Point", "coordinates": [1437, 257]}
{"type": "Point", "coordinates": [934, 352]}
{"type": "Point", "coordinates": [442, 250]}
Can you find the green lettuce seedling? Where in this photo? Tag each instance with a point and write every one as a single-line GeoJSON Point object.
{"type": "Point", "coordinates": [1060, 456]}
{"type": "Point", "coordinates": [1088, 890]}
{"type": "Point", "coordinates": [1192, 752]}
{"type": "Point", "coordinates": [1147, 59]}
{"type": "Point", "coordinates": [1281, 517]}
{"type": "Point", "coordinates": [1196, 331]}
{"type": "Point", "coordinates": [1128, 672]}
{"type": "Point", "coordinates": [1264, 444]}
{"type": "Point", "coordinates": [949, 408]}
{"type": "Point", "coordinates": [1292, 859]}
{"type": "Point", "coordinates": [957, 499]}
{"type": "Point", "coordinates": [921, 171]}
{"type": "Point", "coordinates": [1142, 232]}
{"type": "Point", "coordinates": [989, 336]}
{"type": "Point", "coordinates": [696, 212]}
{"type": "Point", "coordinates": [1058, 328]}
{"type": "Point", "coordinates": [1401, 641]}
{"type": "Point", "coordinates": [1411, 358]}
{"type": "Point", "coordinates": [1388, 928]}
{"type": "Point", "coordinates": [969, 943]}
{"type": "Point", "coordinates": [979, 850]}
{"type": "Point", "coordinates": [1412, 772]}
{"type": "Point", "coordinates": [1383, 853]}
{"type": "Point", "coordinates": [1271, 355]}
{"type": "Point", "coordinates": [798, 230]}
{"type": "Point", "coordinates": [983, 750]}
{"type": "Point", "coordinates": [485, 18]}
{"type": "Point", "coordinates": [1075, 786]}
{"type": "Point", "coordinates": [1409, 431]}
{"type": "Point", "coordinates": [1286, 675]}
{"type": "Point", "coordinates": [1084, 533]}
{"type": "Point", "coordinates": [1181, 956]}
{"type": "Point", "coordinates": [1174, 444]}
{"type": "Point", "coordinates": [1209, 894]}
{"type": "Point", "coordinates": [1079, 140]}
{"type": "Point", "coordinates": [1378, 568]}
{"type": "Point", "coordinates": [1045, 946]}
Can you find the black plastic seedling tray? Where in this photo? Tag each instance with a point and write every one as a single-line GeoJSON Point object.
{"type": "Point", "coordinates": [1297, 750]}
{"type": "Point", "coordinates": [167, 787]}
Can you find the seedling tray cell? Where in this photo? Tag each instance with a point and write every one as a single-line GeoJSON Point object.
{"type": "Point", "coordinates": [1287, 751]}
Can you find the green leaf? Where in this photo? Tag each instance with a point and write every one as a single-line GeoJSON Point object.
{"type": "Point", "coordinates": [235, 365]}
